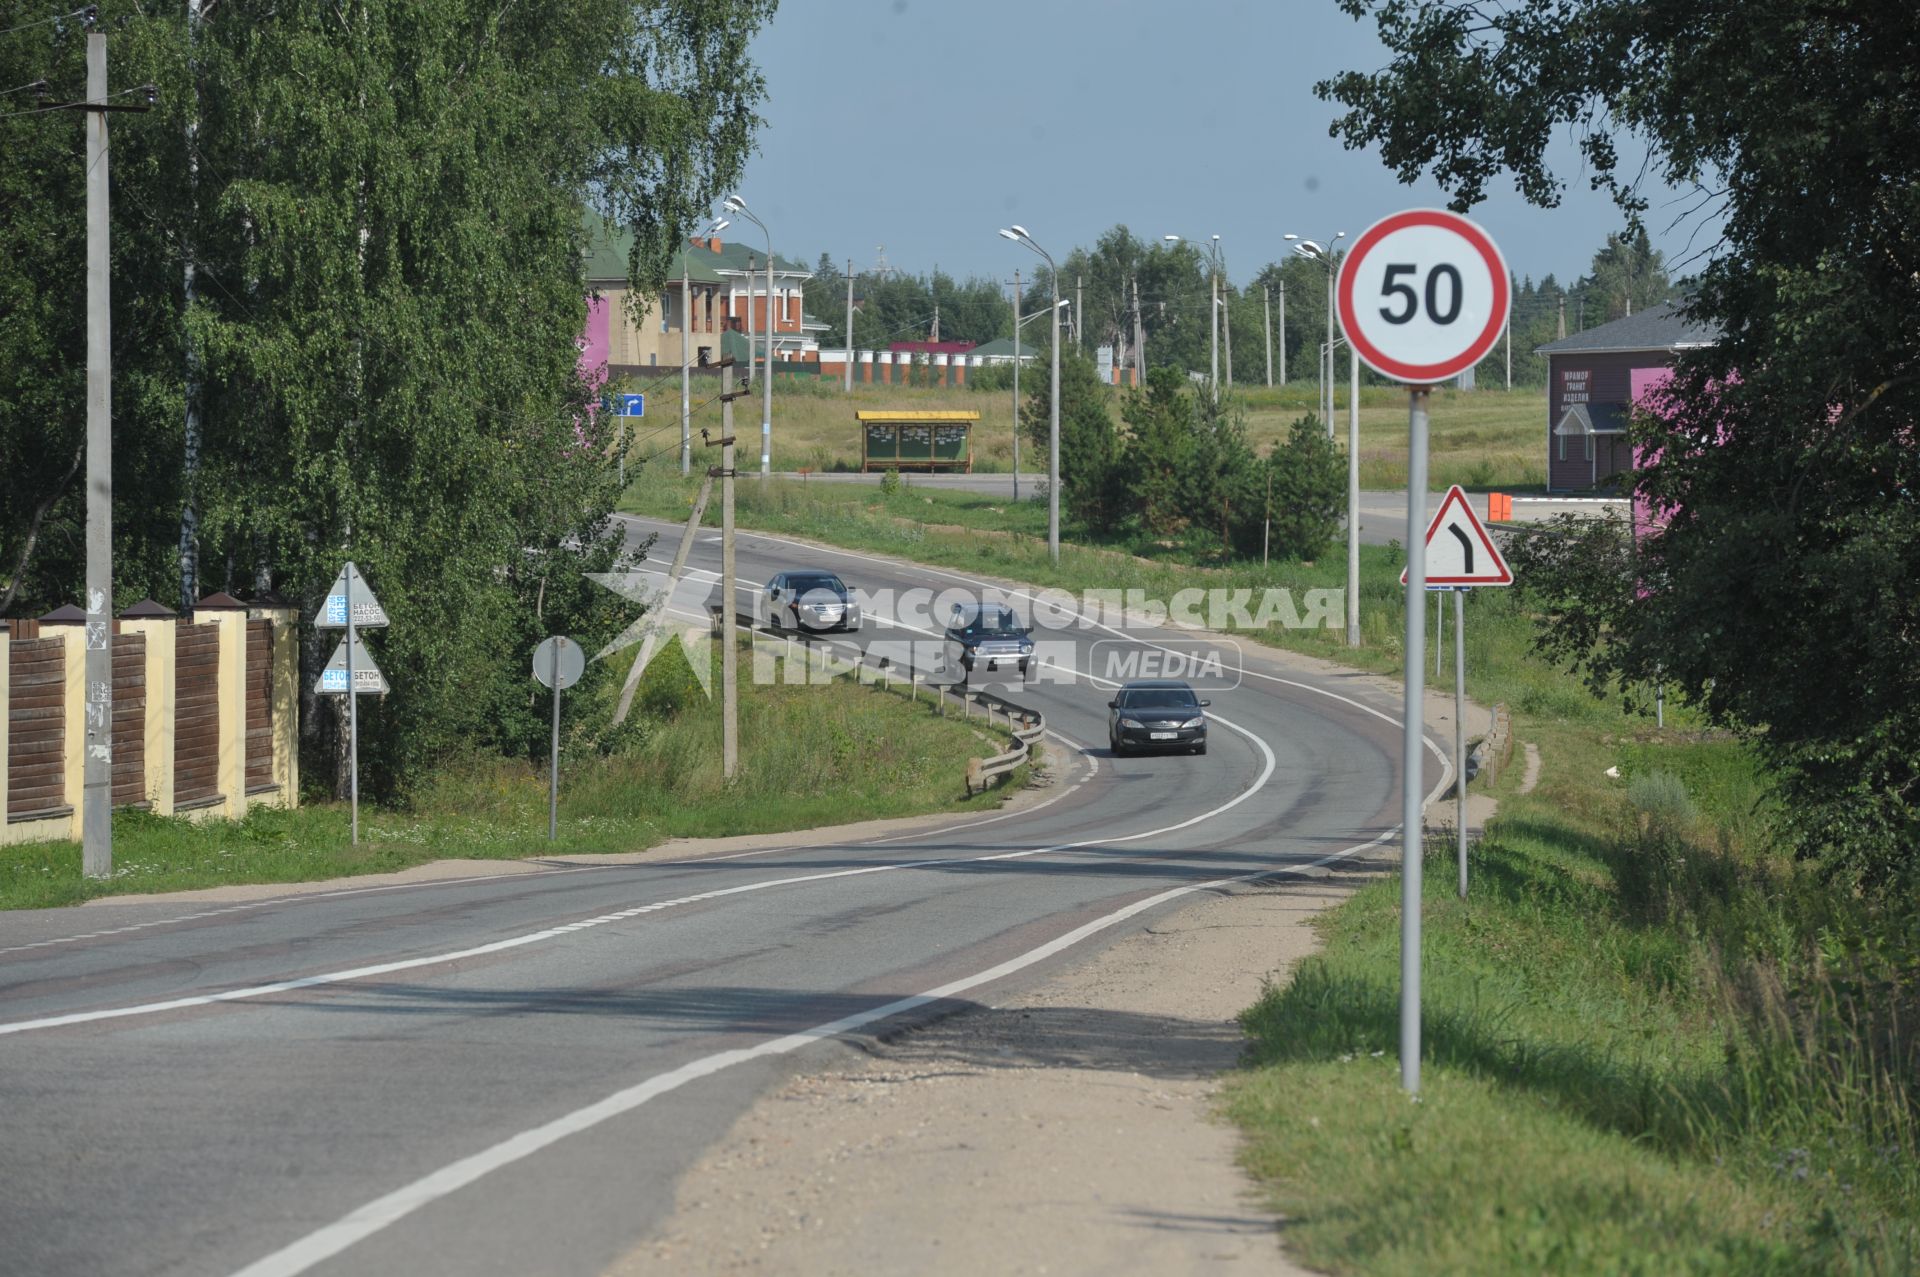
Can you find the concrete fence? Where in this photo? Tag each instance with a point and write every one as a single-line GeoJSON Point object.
{"type": "Point", "coordinates": [205, 714]}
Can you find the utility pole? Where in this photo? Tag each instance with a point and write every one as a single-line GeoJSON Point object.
{"type": "Point", "coordinates": [766, 389]}
{"type": "Point", "coordinates": [1016, 384]}
{"type": "Point", "coordinates": [1139, 336]}
{"type": "Point", "coordinates": [1509, 348]}
{"type": "Point", "coordinates": [97, 800]}
{"type": "Point", "coordinates": [1053, 430]}
{"type": "Point", "coordinates": [96, 803]}
{"type": "Point", "coordinates": [1226, 327]}
{"type": "Point", "coordinates": [849, 325]}
{"type": "Point", "coordinates": [1326, 377]}
{"type": "Point", "coordinates": [1080, 324]}
{"type": "Point", "coordinates": [729, 650]}
{"type": "Point", "coordinates": [686, 359]}
{"type": "Point", "coordinates": [1283, 332]}
{"type": "Point", "coordinates": [1266, 302]}
{"type": "Point", "coordinates": [1213, 318]}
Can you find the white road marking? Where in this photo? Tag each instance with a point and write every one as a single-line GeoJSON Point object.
{"type": "Point", "coordinates": [249, 992]}
{"type": "Point", "coordinates": [324, 1243]}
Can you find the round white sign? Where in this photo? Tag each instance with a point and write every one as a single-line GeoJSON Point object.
{"type": "Point", "coordinates": [1423, 295]}
{"type": "Point", "coordinates": [559, 662]}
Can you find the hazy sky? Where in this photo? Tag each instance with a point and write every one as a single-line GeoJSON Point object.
{"type": "Point", "coordinates": [925, 125]}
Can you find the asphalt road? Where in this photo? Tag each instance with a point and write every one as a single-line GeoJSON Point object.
{"type": "Point", "coordinates": [506, 1075]}
{"type": "Point", "coordinates": [1383, 512]}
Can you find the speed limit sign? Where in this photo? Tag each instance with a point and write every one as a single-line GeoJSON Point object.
{"type": "Point", "coordinates": [1423, 295]}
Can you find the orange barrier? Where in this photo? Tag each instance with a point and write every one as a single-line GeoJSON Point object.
{"type": "Point", "coordinates": [1499, 508]}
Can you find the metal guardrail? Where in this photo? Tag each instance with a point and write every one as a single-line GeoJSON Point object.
{"type": "Point", "coordinates": [981, 772]}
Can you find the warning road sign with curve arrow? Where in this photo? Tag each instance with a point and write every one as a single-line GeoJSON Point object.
{"type": "Point", "coordinates": [1459, 551]}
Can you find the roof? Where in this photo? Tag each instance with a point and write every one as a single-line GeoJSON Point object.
{"type": "Point", "coordinates": [1662, 327]}
{"type": "Point", "coordinates": [608, 249]}
{"type": "Point", "coordinates": [868, 415]}
{"type": "Point", "coordinates": [734, 256]}
{"type": "Point", "coordinates": [1002, 348]}
{"type": "Point", "coordinates": [1599, 419]}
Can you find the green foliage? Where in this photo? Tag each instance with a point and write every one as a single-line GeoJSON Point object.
{"type": "Point", "coordinates": [1309, 478]}
{"type": "Point", "coordinates": [382, 205]}
{"type": "Point", "coordinates": [1779, 596]}
{"type": "Point", "coordinates": [1748, 1107]}
{"type": "Point", "coordinates": [1090, 491]}
{"type": "Point", "coordinates": [890, 484]}
{"type": "Point", "coordinates": [1159, 450]}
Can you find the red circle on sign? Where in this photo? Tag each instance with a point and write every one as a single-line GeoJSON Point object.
{"type": "Point", "coordinates": [1478, 240]}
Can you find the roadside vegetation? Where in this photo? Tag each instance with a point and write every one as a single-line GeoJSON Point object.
{"type": "Point", "coordinates": [811, 755]}
{"type": "Point", "coordinates": [1485, 438]}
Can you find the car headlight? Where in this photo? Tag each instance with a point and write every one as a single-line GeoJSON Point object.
{"type": "Point", "coordinates": [1131, 722]}
{"type": "Point", "coordinates": [1195, 722]}
{"type": "Point", "coordinates": [1026, 648]}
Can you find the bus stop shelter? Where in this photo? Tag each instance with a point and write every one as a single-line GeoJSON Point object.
{"type": "Point", "coordinates": [931, 441]}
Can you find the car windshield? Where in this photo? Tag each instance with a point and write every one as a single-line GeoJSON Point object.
{"type": "Point", "coordinates": [1159, 698]}
{"type": "Point", "coordinates": [804, 584]}
{"type": "Point", "coordinates": [989, 623]}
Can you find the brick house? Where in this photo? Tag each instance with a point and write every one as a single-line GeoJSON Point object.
{"type": "Point", "coordinates": [724, 285]}
{"type": "Point", "coordinates": [1593, 379]}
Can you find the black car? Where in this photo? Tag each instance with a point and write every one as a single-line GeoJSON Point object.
{"type": "Point", "coordinates": [987, 637]}
{"type": "Point", "coordinates": [811, 600]}
{"type": "Point", "coordinates": [1157, 713]}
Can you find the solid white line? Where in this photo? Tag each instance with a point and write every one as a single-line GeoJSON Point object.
{"type": "Point", "coordinates": [377, 1214]}
{"type": "Point", "coordinates": [549, 933]}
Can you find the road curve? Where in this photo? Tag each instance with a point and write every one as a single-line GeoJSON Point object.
{"type": "Point", "coordinates": [508, 1074]}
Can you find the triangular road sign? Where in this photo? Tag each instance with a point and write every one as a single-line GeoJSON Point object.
{"type": "Point", "coordinates": [367, 612]}
{"type": "Point", "coordinates": [367, 678]}
{"type": "Point", "coordinates": [1459, 551]}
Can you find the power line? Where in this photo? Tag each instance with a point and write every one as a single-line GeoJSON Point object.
{"type": "Point", "coordinates": [90, 12]}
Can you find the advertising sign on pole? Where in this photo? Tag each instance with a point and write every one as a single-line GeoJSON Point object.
{"type": "Point", "coordinates": [1422, 296]}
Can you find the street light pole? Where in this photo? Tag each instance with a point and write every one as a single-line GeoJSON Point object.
{"type": "Point", "coordinates": [1213, 311]}
{"type": "Point", "coordinates": [1266, 301]}
{"type": "Point", "coordinates": [1325, 256]}
{"type": "Point", "coordinates": [849, 325]}
{"type": "Point", "coordinates": [97, 779]}
{"type": "Point", "coordinates": [734, 204]}
{"type": "Point", "coordinates": [1016, 385]}
{"type": "Point", "coordinates": [1018, 234]}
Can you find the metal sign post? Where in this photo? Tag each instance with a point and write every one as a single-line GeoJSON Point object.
{"type": "Point", "coordinates": [350, 605]}
{"type": "Point", "coordinates": [558, 663]}
{"type": "Point", "coordinates": [1422, 296]}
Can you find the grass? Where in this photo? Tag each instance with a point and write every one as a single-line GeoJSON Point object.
{"type": "Point", "coordinates": [1480, 438]}
{"type": "Point", "coordinates": [810, 756]}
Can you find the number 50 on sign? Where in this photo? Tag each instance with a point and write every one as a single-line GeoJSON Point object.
{"type": "Point", "coordinates": [1423, 295]}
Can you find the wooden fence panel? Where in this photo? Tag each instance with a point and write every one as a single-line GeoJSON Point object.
{"type": "Point", "coordinates": [130, 720]}
{"type": "Point", "coordinates": [260, 707]}
{"type": "Point", "coordinates": [36, 728]}
{"type": "Point", "coordinates": [196, 717]}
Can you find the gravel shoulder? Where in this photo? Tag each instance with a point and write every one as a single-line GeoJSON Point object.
{"type": "Point", "coordinates": [1070, 1129]}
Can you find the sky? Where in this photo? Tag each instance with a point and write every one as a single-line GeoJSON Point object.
{"type": "Point", "coordinates": [926, 125]}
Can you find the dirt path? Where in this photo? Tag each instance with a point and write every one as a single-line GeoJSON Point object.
{"type": "Point", "coordinates": [1069, 1130]}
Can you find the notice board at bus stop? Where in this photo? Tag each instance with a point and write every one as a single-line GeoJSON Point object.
{"type": "Point", "coordinates": [917, 440]}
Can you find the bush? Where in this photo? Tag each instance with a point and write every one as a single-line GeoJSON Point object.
{"type": "Point", "coordinates": [890, 482]}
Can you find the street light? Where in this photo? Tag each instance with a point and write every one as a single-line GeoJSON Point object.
{"type": "Point", "coordinates": [734, 204]}
{"type": "Point", "coordinates": [1325, 256]}
{"type": "Point", "coordinates": [1213, 311]}
{"type": "Point", "coordinates": [1018, 324]}
{"type": "Point", "coordinates": [1307, 248]}
{"type": "Point", "coordinates": [1018, 234]}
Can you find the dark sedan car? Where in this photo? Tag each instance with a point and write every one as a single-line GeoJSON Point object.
{"type": "Point", "coordinates": [811, 601]}
{"type": "Point", "coordinates": [1156, 714]}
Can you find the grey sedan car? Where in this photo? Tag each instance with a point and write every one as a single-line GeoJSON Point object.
{"type": "Point", "coordinates": [811, 600]}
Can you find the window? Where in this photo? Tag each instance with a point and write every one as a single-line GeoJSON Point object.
{"type": "Point", "coordinates": [1563, 447]}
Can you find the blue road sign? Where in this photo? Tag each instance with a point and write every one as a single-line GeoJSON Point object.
{"type": "Point", "coordinates": [633, 405]}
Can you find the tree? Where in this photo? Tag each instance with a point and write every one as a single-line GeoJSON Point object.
{"type": "Point", "coordinates": [383, 205]}
{"type": "Point", "coordinates": [1309, 478]}
{"type": "Point", "coordinates": [1159, 449]}
{"type": "Point", "coordinates": [1224, 484]}
{"type": "Point", "coordinates": [1090, 490]}
{"type": "Point", "coordinates": [1779, 597]}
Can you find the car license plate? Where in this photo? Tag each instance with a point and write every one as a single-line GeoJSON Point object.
{"type": "Point", "coordinates": [1162, 735]}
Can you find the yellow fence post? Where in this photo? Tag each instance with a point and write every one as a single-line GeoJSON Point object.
{"type": "Point", "coordinates": [155, 622]}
